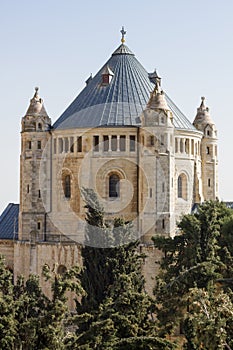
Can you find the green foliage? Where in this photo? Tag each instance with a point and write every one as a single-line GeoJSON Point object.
{"type": "Point", "coordinates": [209, 321]}
{"type": "Point", "coordinates": [28, 319]}
{"type": "Point", "coordinates": [116, 313]}
{"type": "Point", "coordinates": [8, 325]}
{"type": "Point", "coordinates": [194, 261]}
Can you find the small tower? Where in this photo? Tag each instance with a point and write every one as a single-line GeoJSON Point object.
{"type": "Point", "coordinates": [209, 151]}
{"type": "Point", "coordinates": [34, 139]}
{"type": "Point", "coordinates": [157, 162]}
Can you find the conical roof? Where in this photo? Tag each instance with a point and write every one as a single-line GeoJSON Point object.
{"type": "Point", "coordinates": [36, 107]}
{"type": "Point", "coordinates": [118, 103]}
{"type": "Point", "coordinates": [203, 116]}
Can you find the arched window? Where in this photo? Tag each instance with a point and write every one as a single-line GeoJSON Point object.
{"type": "Point", "coordinates": [182, 186]}
{"type": "Point", "coordinates": [39, 126]}
{"type": "Point", "coordinates": [114, 186]}
{"type": "Point", "coordinates": [67, 188]}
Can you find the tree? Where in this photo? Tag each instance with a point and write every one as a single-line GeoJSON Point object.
{"type": "Point", "coordinates": [28, 318]}
{"type": "Point", "coordinates": [209, 321]}
{"type": "Point", "coordinates": [120, 316]}
{"type": "Point", "coordinates": [52, 334]}
{"type": "Point", "coordinates": [192, 259]}
{"type": "Point", "coordinates": [8, 325]}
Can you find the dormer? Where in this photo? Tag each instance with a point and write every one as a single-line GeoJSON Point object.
{"type": "Point", "coordinates": [107, 76]}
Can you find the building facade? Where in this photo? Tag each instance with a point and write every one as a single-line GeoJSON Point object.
{"type": "Point", "coordinates": [126, 139]}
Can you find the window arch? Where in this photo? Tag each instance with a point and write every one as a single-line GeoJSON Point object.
{"type": "Point", "coordinates": [182, 186]}
{"type": "Point", "coordinates": [67, 186]}
{"type": "Point", "coordinates": [114, 186]}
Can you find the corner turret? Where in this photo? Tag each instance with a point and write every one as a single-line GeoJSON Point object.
{"type": "Point", "coordinates": [157, 161]}
{"type": "Point", "coordinates": [209, 151]}
{"type": "Point", "coordinates": [35, 143]}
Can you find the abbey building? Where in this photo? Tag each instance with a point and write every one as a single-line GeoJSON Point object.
{"type": "Point", "coordinates": [123, 137]}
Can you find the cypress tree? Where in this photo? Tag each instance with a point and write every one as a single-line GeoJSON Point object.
{"type": "Point", "coordinates": [120, 316]}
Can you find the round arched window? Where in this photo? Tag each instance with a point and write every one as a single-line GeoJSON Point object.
{"type": "Point", "coordinates": [114, 186]}
{"type": "Point", "coordinates": [67, 186]}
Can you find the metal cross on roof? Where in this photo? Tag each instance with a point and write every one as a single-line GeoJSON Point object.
{"type": "Point", "coordinates": [123, 32]}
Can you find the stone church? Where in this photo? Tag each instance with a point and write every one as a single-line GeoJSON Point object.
{"type": "Point", "coordinates": [126, 139]}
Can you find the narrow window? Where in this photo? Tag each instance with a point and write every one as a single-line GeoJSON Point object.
{"type": "Point", "coordinates": [67, 186]}
{"type": "Point", "coordinates": [207, 150]}
{"type": "Point", "coordinates": [60, 141]}
{"type": "Point", "coordinates": [209, 182]}
{"type": "Point", "coordinates": [122, 143]}
{"type": "Point", "coordinates": [96, 143]}
{"type": "Point", "coordinates": [114, 143]}
{"type": "Point", "coordinates": [132, 143]}
{"type": "Point", "coordinates": [176, 145]}
{"type": "Point", "coordinates": [54, 146]}
{"type": "Point", "coordinates": [79, 144]}
{"type": "Point", "coordinates": [29, 144]}
{"type": "Point", "coordinates": [72, 145]}
{"type": "Point", "coordinates": [192, 147]}
{"type": "Point", "coordinates": [162, 140]}
{"type": "Point", "coordinates": [114, 186]}
{"type": "Point", "coordinates": [38, 225]}
{"type": "Point", "coordinates": [106, 143]}
{"type": "Point", "coordinates": [39, 194]}
{"type": "Point", "coordinates": [181, 145]}
{"type": "Point", "coordinates": [152, 140]}
{"type": "Point", "coordinates": [28, 188]}
{"type": "Point", "coordinates": [39, 126]}
{"type": "Point", "coordinates": [163, 224]}
{"type": "Point", "coordinates": [180, 187]}
{"type": "Point", "coordinates": [150, 192]}
{"type": "Point", "coordinates": [187, 146]}
{"type": "Point", "coordinates": [38, 144]}
{"type": "Point", "coordinates": [66, 144]}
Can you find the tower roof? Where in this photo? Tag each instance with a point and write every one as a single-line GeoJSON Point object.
{"type": "Point", "coordinates": [119, 102]}
{"type": "Point", "coordinates": [36, 107]}
{"type": "Point", "coordinates": [203, 116]}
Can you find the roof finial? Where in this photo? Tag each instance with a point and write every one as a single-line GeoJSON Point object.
{"type": "Point", "coordinates": [123, 32]}
{"type": "Point", "coordinates": [36, 92]}
{"type": "Point", "coordinates": [202, 102]}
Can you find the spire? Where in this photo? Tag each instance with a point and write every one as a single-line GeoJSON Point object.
{"type": "Point", "coordinates": [36, 107]}
{"type": "Point", "coordinates": [123, 32]}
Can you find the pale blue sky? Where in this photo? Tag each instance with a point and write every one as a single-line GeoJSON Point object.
{"type": "Point", "coordinates": [57, 44]}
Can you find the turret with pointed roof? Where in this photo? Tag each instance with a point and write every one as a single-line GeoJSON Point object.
{"type": "Point", "coordinates": [203, 116]}
{"type": "Point", "coordinates": [36, 117]}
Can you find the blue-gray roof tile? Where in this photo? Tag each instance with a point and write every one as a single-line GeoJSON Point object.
{"type": "Point", "coordinates": [9, 222]}
{"type": "Point", "coordinates": [118, 103]}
